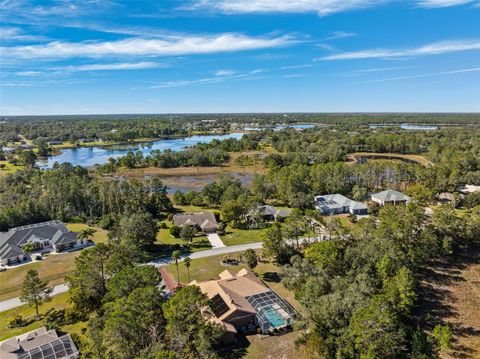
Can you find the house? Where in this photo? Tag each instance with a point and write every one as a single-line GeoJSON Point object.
{"type": "Point", "coordinates": [44, 237]}
{"type": "Point", "coordinates": [39, 343]}
{"type": "Point", "coordinates": [469, 188]}
{"type": "Point", "coordinates": [338, 204]}
{"type": "Point", "coordinates": [202, 221]}
{"type": "Point", "coordinates": [241, 302]}
{"type": "Point", "coordinates": [270, 213]}
{"type": "Point", "coordinates": [390, 197]}
{"type": "Point", "coordinates": [446, 197]}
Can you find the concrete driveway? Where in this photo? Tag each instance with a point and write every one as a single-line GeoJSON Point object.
{"type": "Point", "coordinates": [215, 240]}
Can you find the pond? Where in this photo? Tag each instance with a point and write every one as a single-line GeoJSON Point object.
{"type": "Point", "coordinates": [90, 156]}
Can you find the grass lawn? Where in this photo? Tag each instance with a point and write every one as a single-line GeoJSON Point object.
{"type": "Point", "coordinates": [203, 268]}
{"type": "Point", "coordinates": [53, 268]}
{"type": "Point", "coordinates": [234, 236]}
{"type": "Point", "coordinates": [9, 168]}
{"type": "Point", "coordinates": [100, 235]}
{"type": "Point", "coordinates": [28, 313]}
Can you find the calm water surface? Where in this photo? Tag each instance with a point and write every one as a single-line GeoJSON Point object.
{"type": "Point", "coordinates": [90, 156]}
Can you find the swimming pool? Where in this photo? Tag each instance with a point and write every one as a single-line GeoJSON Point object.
{"type": "Point", "coordinates": [274, 317]}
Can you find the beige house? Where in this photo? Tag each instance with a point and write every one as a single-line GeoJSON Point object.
{"type": "Point", "coordinates": [241, 302]}
{"type": "Point", "coordinates": [39, 343]}
{"type": "Point", "coordinates": [202, 221]}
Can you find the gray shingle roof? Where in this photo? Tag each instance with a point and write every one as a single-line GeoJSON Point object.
{"type": "Point", "coordinates": [337, 200]}
{"type": "Point", "coordinates": [391, 196]}
{"type": "Point", "coordinates": [202, 219]}
{"type": "Point", "coordinates": [54, 231]}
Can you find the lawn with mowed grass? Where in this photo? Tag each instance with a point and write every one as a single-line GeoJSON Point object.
{"type": "Point", "coordinates": [235, 236]}
{"type": "Point", "coordinates": [28, 314]}
{"type": "Point", "coordinates": [6, 168]}
{"type": "Point", "coordinates": [53, 268]}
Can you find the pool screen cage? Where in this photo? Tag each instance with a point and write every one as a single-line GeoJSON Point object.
{"type": "Point", "coordinates": [272, 311]}
{"type": "Point", "coordinates": [62, 348]}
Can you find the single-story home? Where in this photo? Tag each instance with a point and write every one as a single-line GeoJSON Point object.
{"type": "Point", "coordinates": [270, 213]}
{"type": "Point", "coordinates": [446, 197]}
{"type": "Point", "coordinates": [469, 188]}
{"type": "Point", "coordinates": [44, 237]}
{"type": "Point", "coordinates": [390, 197]}
{"type": "Point", "coordinates": [202, 221]}
{"type": "Point", "coordinates": [241, 302]}
{"type": "Point", "coordinates": [39, 343]}
{"type": "Point", "coordinates": [338, 204]}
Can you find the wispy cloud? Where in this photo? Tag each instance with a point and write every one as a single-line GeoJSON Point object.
{"type": "Point", "coordinates": [339, 35]}
{"type": "Point", "coordinates": [443, 3]}
{"type": "Point", "coordinates": [294, 67]}
{"type": "Point", "coordinates": [168, 46]}
{"type": "Point", "coordinates": [373, 70]}
{"type": "Point", "coordinates": [115, 66]}
{"type": "Point", "coordinates": [435, 48]}
{"type": "Point", "coordinates": [9, 33]}
{"type": "Point", "coordinates": [322, 7]}
{"type": "Point", "coordinates": [246, 76]}
{"type": "Point", "coordinates": [224, 72]}
{"type": "Point", "coordinates": [445, 73]}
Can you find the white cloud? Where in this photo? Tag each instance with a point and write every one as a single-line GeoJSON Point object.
{"type": "Point", "coordinates": [224, 73]}
{"type": "Point", "coordinates": [445, 73]}
{"type": "Point", "coordinates": [209, 80]}
{"type": "Point", "coordinates": [9, 33]}
{"type": "Point", "coordinates": [292, 67]}
{"type": "Point", "coordinates": [115, 66]}
{"type": "Point", "coordinates": [28, 73]}
{"type": "Point", "coordinates": [435, 48]}
{"type": "Point", "coordinates": [339, 35]}
{"type": "Point", "coordinates": [443, 3]}
{"type": "Point", "coordinates": [168, 46]}
{"type": "Point", "coordinates": [322, 7]}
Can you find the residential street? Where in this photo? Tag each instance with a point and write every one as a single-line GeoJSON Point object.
{"type": "Point", "coordinates": [62, 288]}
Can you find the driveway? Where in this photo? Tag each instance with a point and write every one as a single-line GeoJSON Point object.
{"type": "Point", "coordinates": [215, 240]}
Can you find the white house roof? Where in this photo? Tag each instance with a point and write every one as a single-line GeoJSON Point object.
{"type": "Point", "coordinates": [391, 196]}
{"type": "Point", "coordinates": [338, 201]}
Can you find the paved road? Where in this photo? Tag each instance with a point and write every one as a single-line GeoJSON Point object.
{"type": "Point", "coordinates": [15, 302]}
{"type": "Point", "coordinates": [62, 288]}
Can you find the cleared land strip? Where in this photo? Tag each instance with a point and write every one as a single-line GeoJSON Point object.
{"type": "Point", "coordinates": [390, 156]}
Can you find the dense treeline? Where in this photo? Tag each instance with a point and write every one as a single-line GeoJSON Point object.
{"type": "Point", "coordinates": [70, 194]}
{"type": "Point", "coordinates": [125, 127]}
{"type": "Point", "coordinates": [359, 291]}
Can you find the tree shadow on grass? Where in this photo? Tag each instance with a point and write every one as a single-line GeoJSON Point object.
{"type": "Point", "coordinates": [271, 277]}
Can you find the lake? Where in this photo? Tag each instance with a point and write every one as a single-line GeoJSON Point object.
{"type": "Point", "coordinates": [281, 127]}
{"type": "Point", "coordinates": [407, 126]}
{"type": "Point", "coordinates": [90, 156]}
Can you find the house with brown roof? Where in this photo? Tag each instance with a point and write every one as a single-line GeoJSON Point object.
{"type": "Point", "coordinates": [39, 343]}
{"type": "Point", "coordinates": [202, 221]}
{"type": "Point", "coordinates": [241, 302]}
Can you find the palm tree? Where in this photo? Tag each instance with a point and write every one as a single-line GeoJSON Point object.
{"type": "Point", "coordinates": [187, 262]}
{"type": "Point", "coordinates": [86, 233]}
{"type": "Point", "coordinates": [176, 257]}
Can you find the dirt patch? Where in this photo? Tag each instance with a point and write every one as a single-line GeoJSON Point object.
{"type": "Point", "coordinates": [450, 294]}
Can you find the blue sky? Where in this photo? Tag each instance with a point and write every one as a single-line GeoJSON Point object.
{"type": "Point", "coordinates": [139, 56]}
